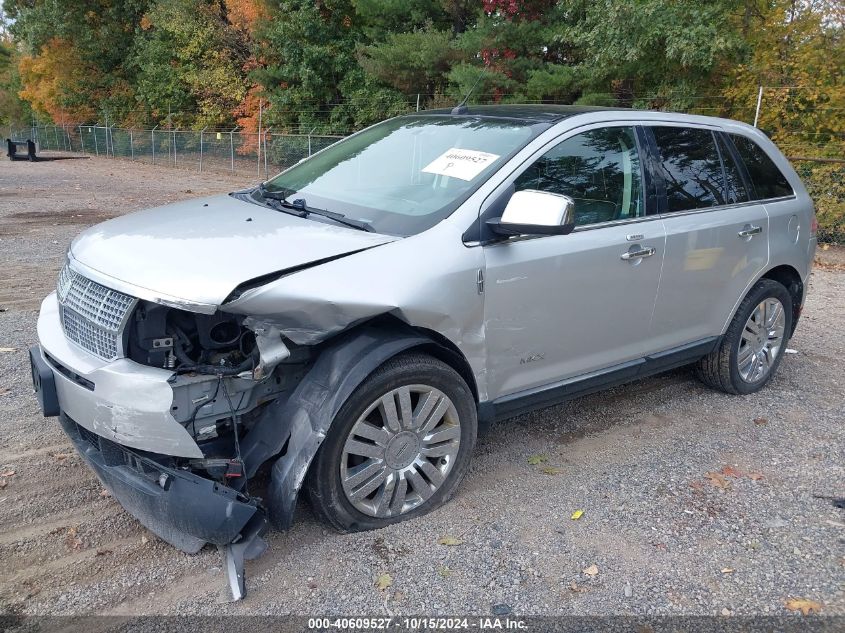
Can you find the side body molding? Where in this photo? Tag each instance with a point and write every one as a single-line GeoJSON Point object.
{"type": "Point", "coordinates": [302, 419]}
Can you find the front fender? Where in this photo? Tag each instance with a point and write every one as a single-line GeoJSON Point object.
{"type": "Point", "coordinates": [298, 423]}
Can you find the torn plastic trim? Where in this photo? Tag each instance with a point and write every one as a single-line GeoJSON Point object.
{"type": "Point", "coordinates": [181, 508]}
{"type": "Point", "coordinates": [185, 510]}
{"type": "Point", "coordinates": [299, 421]}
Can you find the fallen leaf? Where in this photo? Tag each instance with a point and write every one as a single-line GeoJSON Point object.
{"type": "Point", "coordinates": [3, 483]}
{"type": "Point", "coordinates": [825, 247]}
{"type": "Point", "coordinates": [754, 476]}
{"type": "Point", "coordinates": [717, 480]}
{"type": "Point", "coordinates": [592, 570]}
{"type": "Point", "coordinates": [451, 541]}
{"type": "Point", "coordinates": [537, 459]}
{"type": "Point", "coordinates": [60, 456]}
{"type": "Point", "coordinates": [730, 471]}
{"type": "Point", "coordinates": [803, 605]}
{"type": "Point", "coordinates": [574, 587]}
{"type": "Point", "coordinates": [577, 515]}
{"type": "Point", "coordinates": [7, 473]}
{"type": "Point", "coordinates": [105, 493]}
{"type": "Point", "coordinates": [728, 570]}
{"type": "Point", "coordinates": [383, 582]}
{"type": "Point", "coordinates": [7, 349]}
{"type": "Point", "coordinates": [72, 539]}
{"type": "Point", "coordinates": [760, 421]}
{"type": "Point", "coordinates": [696, 485]}
{"type": "Point", "coordinates": [551, 470]}
{"type": "Point", "coordinates": [444, 571]}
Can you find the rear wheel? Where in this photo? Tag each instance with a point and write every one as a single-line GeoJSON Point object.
{"type": "Point", "coordinates": [753, 345]}
{"type": "Point", "coordinates": [398, 447]}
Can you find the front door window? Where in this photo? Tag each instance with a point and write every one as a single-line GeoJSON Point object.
{"type": "Point", "coordinates": [599, 169]}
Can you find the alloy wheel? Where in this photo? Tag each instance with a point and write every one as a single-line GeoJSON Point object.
{"type": "Point", "coordinates": [762, 339]}
{"type": "Point", "coordinates": [400, 451]}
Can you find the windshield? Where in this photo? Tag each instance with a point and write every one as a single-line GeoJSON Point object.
{"type": "Point", "coordinates": [405, 175]}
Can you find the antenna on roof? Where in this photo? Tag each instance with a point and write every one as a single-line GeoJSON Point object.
{"type": "Point", "coordinates": [462, 108]}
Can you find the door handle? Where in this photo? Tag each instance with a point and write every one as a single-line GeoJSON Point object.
{"type": "Point", "coordinates": [638, 254]}
{"type": "Point", "coordinates": [749, 231]}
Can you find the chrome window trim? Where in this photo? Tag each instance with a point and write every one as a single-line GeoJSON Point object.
{"type": "Point", "coordinates": [645, 218]}
{"type": "Point", "coordinates": [722, 207]}
{"type": "Point", "coordinates": [571, 127]}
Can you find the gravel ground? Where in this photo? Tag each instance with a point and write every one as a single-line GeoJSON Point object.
{"type": "Point", "coordinates": [694, 502]}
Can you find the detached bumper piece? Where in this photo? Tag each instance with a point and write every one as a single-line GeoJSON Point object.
{"type": "Point", "coordinates": [183, 509]}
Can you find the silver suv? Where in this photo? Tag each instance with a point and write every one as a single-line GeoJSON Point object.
{"type": "Point", "coordinates": [348, 324]}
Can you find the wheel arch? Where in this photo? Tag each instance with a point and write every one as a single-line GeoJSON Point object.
{"type": "Point", "coordinates": [790, 279]}
{"type": "Point", "coordinates": [292, 429]}
{"type": "Point", "coordinates": [445, 350]}
{"type": "Point", "coordinates": [785, 275]}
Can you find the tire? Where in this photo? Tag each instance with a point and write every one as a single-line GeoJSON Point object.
{"type": "Point", "coordinates": [723, 369]}
{"type": "Point", "coordinates": [334, 469]}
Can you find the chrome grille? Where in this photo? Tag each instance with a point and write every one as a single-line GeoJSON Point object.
{"type": "Point", "coordinates": [92, 315]}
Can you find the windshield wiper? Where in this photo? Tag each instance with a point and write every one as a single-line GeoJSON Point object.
{"type": "Point", "coordinates": [280, 194]}
{"type": "Point", "coordinates": [300, 209]}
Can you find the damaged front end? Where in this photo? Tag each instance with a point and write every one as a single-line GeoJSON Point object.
{"type": "Point", "coordinates": [163, 422]}
{"type": "Point", "coordinates": [178, 505]}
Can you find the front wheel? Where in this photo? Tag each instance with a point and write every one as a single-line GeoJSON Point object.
{"type": "Point", "coordinates": [753, 345]}
{"type": "Point", "coordinates": [398, 447]}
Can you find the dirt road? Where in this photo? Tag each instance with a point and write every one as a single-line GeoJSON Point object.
{"type": "Point", "coordinates": [693, 502]}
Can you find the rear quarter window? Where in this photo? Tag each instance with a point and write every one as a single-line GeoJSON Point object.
{"type": "Point", "coordinates": [768, 180]}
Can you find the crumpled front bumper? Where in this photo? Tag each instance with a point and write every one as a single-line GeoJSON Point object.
{"type": "Point", "coordinates": [121, 400]}
{"type": "Point", "coordinates": [118, 417]}
{"type": "Point", "coordinates": [181, 508]}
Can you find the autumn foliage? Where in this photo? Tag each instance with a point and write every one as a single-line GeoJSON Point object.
{"type": "Point", "coordinates": [332, 66]}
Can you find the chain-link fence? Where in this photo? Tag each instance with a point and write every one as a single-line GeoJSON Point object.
{"type": "Point", "coordinates": [265, 154]}
{"type": "Point", "coordinates": [232, 150]}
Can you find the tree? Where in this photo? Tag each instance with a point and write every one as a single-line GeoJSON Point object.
{"type": "Point", "coordinates": [12, 108]}
{"type": "Point", "coordinates": [188, 59]}
{"type": "Point", "coordinates": [796, 52]}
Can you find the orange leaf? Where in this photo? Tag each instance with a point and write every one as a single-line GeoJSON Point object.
{"type": "Point", "coordinates": [717, 480]}
{"type": "Point", "coordinates": [730, 471]}
{"type": "Point", "coordinates": [803, 605]}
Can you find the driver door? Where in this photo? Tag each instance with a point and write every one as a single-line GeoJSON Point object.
{"type": "Point", "coordinates": [559, 307]}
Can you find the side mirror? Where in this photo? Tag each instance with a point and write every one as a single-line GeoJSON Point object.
{"type": "Point", "coordinates": [531, 212]}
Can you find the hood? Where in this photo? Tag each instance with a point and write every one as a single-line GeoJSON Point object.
{"type": "Point", "coordinates": [200, 250]}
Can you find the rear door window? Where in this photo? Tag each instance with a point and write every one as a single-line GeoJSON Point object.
{"type": "Point", "coordinates": [736, 189]}
{"type": "Point", "coordinates": [767, 179]}
{"type": "Point", "coordinates": [691, 168]}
